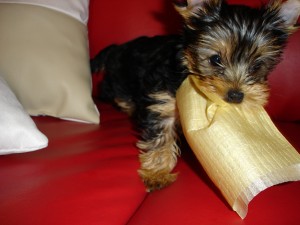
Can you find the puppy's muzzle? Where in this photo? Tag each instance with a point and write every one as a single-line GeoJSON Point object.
{"type": "Point", "coordinates": [234, 96]}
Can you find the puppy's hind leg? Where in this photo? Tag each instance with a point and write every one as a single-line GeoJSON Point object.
{"type": "Point", "coordinates": [158, 146]}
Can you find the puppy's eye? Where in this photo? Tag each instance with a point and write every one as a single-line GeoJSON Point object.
{"type": "Point", "coordinates": [215, 60]}
{"type": "Point", "coordinates": [255, 67]}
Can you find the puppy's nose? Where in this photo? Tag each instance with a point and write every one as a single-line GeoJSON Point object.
{"type": "Point", "coordinates": [234, 96]}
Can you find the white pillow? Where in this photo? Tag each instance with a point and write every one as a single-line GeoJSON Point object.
{"type": "Point", "coordinates": [75, 8]}
{"type": "Point", "coordinates": [44, 57]}
{"type": "Point", "coordinates": [18, 132]}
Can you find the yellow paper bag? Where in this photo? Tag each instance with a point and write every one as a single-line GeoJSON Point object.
{"type": "Point", "coordinates": [240, 148]}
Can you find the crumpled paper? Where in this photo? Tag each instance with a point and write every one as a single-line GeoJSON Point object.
{"type": "Point", "coordinates": [239, 147]}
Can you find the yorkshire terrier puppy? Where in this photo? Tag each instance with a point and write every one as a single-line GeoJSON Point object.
{"type": "Point", "coordinates": [231, 49]}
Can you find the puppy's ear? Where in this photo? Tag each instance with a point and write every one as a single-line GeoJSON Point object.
{"type": "Point", "coordinates": [188, 8]}
{"type": "Point", "coordinates": [290, 11]}
{"type": "Point", "coordinates": [195, 8]}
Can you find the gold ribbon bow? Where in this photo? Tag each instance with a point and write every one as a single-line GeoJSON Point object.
{"type": "Point", "coordinates": [240, 148]}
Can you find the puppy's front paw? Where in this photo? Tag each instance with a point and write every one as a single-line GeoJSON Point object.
{"type": "Point", "coordinates": [156, 180]}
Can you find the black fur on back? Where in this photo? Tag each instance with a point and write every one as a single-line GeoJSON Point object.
{"type": "Point", "coordinates": [140, 67]}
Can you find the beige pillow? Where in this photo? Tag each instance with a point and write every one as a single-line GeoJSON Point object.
{"type": "Point", "coordinates": [44, 58]}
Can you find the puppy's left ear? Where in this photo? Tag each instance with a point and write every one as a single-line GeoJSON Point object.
{"type": "Point", "coordinates": [290, 11]}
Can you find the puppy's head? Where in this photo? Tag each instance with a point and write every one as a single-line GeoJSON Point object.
{"type": "Point", "coordinates": [232, 48]}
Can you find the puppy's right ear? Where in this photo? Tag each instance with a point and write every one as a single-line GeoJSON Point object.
{"type": "Point", "coordinates": [188, 8]}
{"type": "Point", "coordinates": [196, 8]}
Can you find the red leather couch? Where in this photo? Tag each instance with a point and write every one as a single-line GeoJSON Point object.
{"type": "Point", "coordinates": [87, 175]}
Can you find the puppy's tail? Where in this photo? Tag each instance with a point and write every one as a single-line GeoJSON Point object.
{"type": "Point", "coordinates": [98, 62]}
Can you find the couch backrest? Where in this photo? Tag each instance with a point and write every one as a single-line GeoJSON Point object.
{"type": "Point", "coordinates": [119, 21]}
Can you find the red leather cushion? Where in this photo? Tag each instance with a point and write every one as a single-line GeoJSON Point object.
{"type": "Point", "coordinates": [87, 175]}
{"type": "Point", "coordinates": [284, 101]}
{"type": "Point", "coordinates": [115, 22]}
{"type": "Point", "coordinates": [193, 199]}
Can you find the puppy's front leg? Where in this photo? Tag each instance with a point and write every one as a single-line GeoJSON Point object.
{"type": "Point", "coordinates": [158, 146]}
